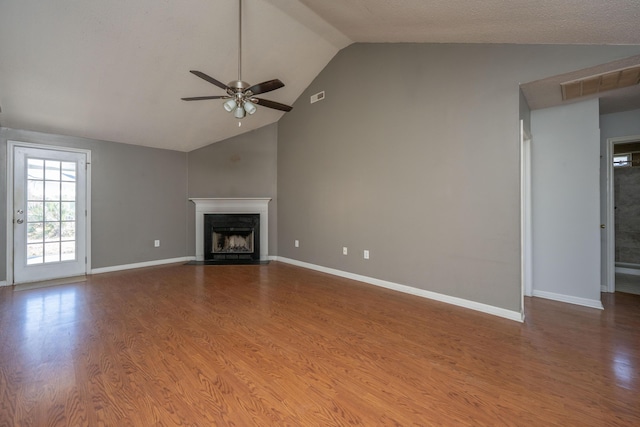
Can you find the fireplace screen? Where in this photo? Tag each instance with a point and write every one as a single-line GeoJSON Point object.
{"type": "Point", "coordinates": [233, 240]}
{"type": "Point", "coordinates": [232, 237]}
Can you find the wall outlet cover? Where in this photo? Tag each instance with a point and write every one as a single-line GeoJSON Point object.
{"type": "Point", "coordinates": [317, 97]}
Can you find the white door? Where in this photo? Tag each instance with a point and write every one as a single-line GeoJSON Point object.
{"type": "Point", "coordinates": [49, 214]}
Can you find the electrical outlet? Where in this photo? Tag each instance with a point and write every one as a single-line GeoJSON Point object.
{"type": "Point", "coordinates": [156, 243]}
{"type": "Point", "coordinates": [296, 243]}
{"type": "Point", "coordinates": [344, 250]}
{"type": "Point", "coordinates": [366, 254]}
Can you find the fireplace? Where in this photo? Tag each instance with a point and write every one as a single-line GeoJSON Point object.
{"type": "Point", "coordinates": [231, 207]}
{"type": "Point", "coordinates": [232, 237]}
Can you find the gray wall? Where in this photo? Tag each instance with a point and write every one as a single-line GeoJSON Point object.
{"type": "Point", "coordinates": [414, 155]}
{"type": "Point", "coordinates": [243, 166]}
{"type": "Point", "coordinates": [137, 196]}
{"type": "Point", "coordinates": [619, 124]}
{"type": "Point", "coordinates": [525, 114]}
{"type": "Point", "coordinates": [627, 214]}
{"type": "Point", "coordinates": [565, 154]}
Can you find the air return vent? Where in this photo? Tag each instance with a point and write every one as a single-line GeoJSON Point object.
{"type": "Point", "coordinates": [601, 83]}
{"type": "Point", "coordinates": [317, 97]}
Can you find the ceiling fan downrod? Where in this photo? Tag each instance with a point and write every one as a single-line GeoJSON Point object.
{"type": "Point", "coordinates": [239, 40]}
{"type": "Point", "coordinates": [240, 103]}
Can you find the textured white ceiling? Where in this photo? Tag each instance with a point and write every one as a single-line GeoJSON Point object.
{"type": "Point", "coordinates": [484, 21]}
{"type": "Point", "coordinates": [116, 70]}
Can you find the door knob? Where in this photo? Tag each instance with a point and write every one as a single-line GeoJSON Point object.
{"type": "Point", "coordinates": [19, 221]}
{"type": "Point", "coordinates": [601, 225]}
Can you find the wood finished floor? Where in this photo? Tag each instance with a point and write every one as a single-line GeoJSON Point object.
{"type": "Point", "coordinates": [627, 283]}
{"type": "Point", "coordinates": [278, 345]}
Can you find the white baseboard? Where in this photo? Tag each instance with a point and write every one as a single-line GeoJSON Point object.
{"type": "Point", "coordinates": [484, 308]}
{"type": "Point", "coordinates": [3, 283]}
{"type": "Point", "coordinates": [592, 303]}
{"type": "Point", "coordinates": [141, 265]}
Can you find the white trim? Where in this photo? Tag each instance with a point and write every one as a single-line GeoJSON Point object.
{"type": "Point", "coordinates": [3, 283]}
{"type": "Point", "coordinates": [610, 285]}
{"type": "Point", "coordinates": [592, 303]}
{"type": "Point", "coordinates": [9, 225]}
{"type": "Point", "coordinates": [526, 231]}
{"type": "Point", "coordinates": [141, 265]}
{"type": "Point", "coordinates": [255, 205]}
{"type": "Point", "coordinates": [11, 144]}
{"type": "Point", "coordinates": [630, 271]}
{"type": "Point", "coordinates": [609, 224]}
{"type": "Point", "coordinates": [87, 249]}
{"type": "Point", "coordinates": [484, 308]}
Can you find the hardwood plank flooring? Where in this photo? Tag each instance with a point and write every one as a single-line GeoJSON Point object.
{"type": "Point", "coordinates": [628, 283]}
{"type": "Point", "coordinates": [186, 345]}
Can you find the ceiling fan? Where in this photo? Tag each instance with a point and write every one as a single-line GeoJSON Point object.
{"type": "Point", "coordinates": [240, 97]}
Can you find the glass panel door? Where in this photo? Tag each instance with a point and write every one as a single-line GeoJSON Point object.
{"type": "Point", "coordinates": [49, 217]}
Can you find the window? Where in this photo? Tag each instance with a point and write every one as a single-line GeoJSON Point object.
{"type": "Point", "coordinates": [622, 160]}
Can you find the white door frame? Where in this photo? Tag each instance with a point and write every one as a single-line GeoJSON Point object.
{"type": "Point", "coordinates": [526, 233]}
{"type": "Point", "coordinates": [10, 211]}
{"type": "Point", "coordinates": [610, 223]}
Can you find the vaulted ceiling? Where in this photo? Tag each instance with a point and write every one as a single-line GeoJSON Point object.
{"type": "Point", "coordinates": [116, 70]}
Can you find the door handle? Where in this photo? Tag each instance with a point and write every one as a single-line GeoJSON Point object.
{"type": "Point", "coordinates": [19, 221]}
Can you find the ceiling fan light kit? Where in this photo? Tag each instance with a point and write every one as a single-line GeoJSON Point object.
{"type": "Point", "coordinates": [230, 105]}
{"type": "Point", "coordinates": [249, 107]}
{"type": "Point", "coordinates": [240, 99]}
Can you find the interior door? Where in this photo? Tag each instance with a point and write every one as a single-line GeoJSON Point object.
{"type": "Point", "coordinates": [49, 218]}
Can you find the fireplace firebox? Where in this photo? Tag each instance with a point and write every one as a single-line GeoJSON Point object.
{"type": "Point", "coordinates": [231, 237]}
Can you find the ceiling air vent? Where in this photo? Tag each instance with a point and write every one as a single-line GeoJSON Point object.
{"type": "Point", "coordinates": [601, 83]}
{"type": "Point", "coordinates": [317, 97]}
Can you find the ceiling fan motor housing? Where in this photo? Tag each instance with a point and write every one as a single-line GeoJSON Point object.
{"type": "Point", "coordinates": [238, 85]}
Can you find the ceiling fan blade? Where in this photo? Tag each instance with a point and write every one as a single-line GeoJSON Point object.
{"type": "Point", "coordinates": [264, 87]}
{"type": "Point", "coordinates": [209, 79]}
{"type": "Point", "coordinates": [272, 104]}
{"type": "Point", "coordinates": [200, 98]}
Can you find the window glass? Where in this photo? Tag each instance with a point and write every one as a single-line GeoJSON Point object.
{"type": "Point", "coordinates": [621, 160]}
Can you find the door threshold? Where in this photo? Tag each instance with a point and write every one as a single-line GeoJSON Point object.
{"type": "Point", "coordinates": [47, 283]}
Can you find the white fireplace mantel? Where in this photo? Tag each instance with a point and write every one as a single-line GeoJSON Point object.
{"type": "Point", "coordinates": [258, 205]}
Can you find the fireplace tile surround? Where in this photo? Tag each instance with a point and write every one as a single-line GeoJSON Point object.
{"type": "Point", "coordinates": [232, 206]}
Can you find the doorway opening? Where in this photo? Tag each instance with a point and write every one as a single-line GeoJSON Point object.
{"type": "Point", "coordinates": [622, 224]}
